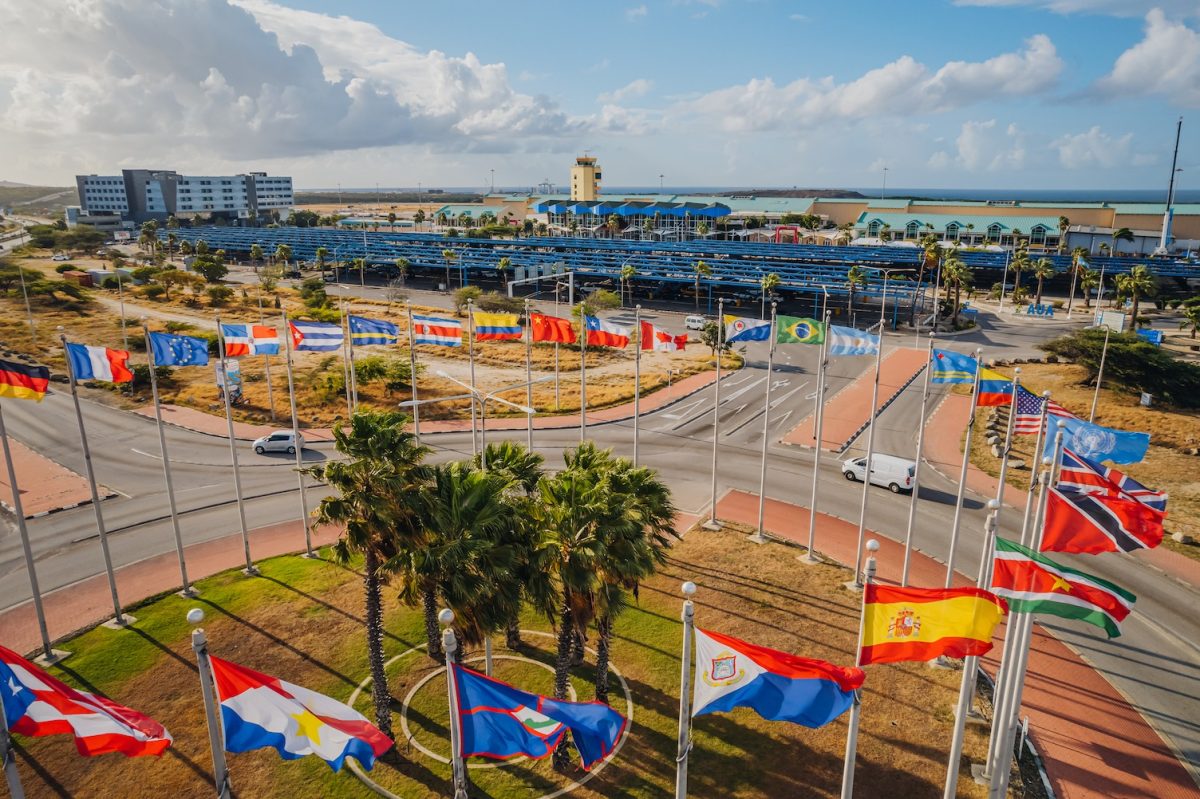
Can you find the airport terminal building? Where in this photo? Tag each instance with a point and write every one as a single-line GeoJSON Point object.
{"type": "Point", "coordinates": [138, 195]}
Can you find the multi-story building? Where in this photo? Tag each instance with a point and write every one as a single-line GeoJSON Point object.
{"type": "Point", "coordinates": [585, 179]}
{"type": "Point", "coordinates": [138, 195]}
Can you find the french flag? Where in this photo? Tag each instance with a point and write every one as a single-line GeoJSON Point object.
{"type": "Point", "coordinates": [99, 363]}
{"type": "Point", "coordinates": [605, 334]}
{"type": "Point", "coordinates": [778, 686]}
{"type": "Point", "coordinates": [653, 338]}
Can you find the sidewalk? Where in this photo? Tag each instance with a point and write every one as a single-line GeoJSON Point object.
{"type": "Point", "coordinates": [46, 486]}
{"type": "Point", "coordinates": [1093, 742]}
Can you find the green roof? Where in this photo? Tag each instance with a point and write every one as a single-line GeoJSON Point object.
{"type": "Point", "coordinates": [473, 210]}
{"type": "Point", "coordinates": [981, 221]}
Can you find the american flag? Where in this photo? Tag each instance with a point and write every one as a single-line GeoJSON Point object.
{"type": "Point", "coordinates": [1029, 412]}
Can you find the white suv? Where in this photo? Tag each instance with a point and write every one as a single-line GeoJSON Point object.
{"type": "Point", "coordinates": [279, 441]}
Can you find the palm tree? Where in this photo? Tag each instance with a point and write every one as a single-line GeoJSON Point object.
{"type": "Point", "coordinates": [768, 283]}
{"type": "Point", "coordinates": [647, 229]}
{"type": "Point", "coordinates": [613, 224]}
{"type": "Point", "coordinates": [1063, 225]}
{"type": "Point", "coordinates": [391, 217]}
{"type": "Point", "coordinates": [856, 277]}
{"type": "Point", "coordinates": [449, 256]}
{"type": "Point", "coordinates": [402, 266]}
{"type": "Point", "coordinates": [699, 270]}
{"type": "Point", "coordinates": [1191, 318]}
{"type": "Point", "coordinates": [419, 216]}
{"type": "Point", "coordinates": [971, 232]}
{"type": "Point", "coordinates": [1042, 270]}
{"type": "Point", "coordinates": [256, 253]}
{"type": "Point", "coordinates": [956, 274]}
{"type": "Point", "coordinates": [283, 253]}
{"type": "Point", "coordinates": [185, 247]}
{"type": "Point", "coordinates": [502, 266]}
{"type": "Point", "coordinates": [628, 272]}
{"type": "Point", "coordinates": [171, 240]}
{"type": "Point", "coordinates": [1078, 257]}
{"type": "Point", "coordinates": [702, 229]}
{"type": "Point", "coordinates": [1137, 284]}
{"type": "Point", "coordinates": [1120, 234]}
{"type": "Point", "coordinates": [1020, 263]}
{"type": "Point", "coordinates": [321, 254]}
{"type": "Point", "coordinates": [845, 233]}
{"type": "Point", "coordinates": [1088, 280]}
{"type": "Point", "coordinates": [885, 233]}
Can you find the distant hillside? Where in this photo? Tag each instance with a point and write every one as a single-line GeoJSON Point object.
{"type": "Point", "coordinates": [36, 198]}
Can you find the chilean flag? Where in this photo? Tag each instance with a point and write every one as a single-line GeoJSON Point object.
{"type": "Point", "coordinates": [658, 340]}
{"type": "Point", "coordinates": [36, 704]}
{"type": "Point", "coordinates": [250, 340]}
{"type": "Point", "coordinates": [99, 363]}
{"type": "Point", "coordinates": [778, 686]}
{"type": "Point", "coordinates": [605, 334]}
{"type": "Point", "coordinates": [259, 711]}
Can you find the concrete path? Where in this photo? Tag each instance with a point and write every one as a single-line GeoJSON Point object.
{"type": "Point", "coordinates": [46, 486]}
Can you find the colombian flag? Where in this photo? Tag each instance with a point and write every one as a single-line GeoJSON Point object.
{"type": "Point", "coordinates": [496, 326]}
{"type": "Point", "coordinates": [994, 389]}
{"type": "Point", "coordinates": [22, 381]}
{"type": "Point", "coordinates": [922, 623]}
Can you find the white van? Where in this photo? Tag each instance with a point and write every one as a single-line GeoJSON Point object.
{"type": "Point", "coordinates": [895, 474]}
{"type": "Point", "coordinates": [693, 322]}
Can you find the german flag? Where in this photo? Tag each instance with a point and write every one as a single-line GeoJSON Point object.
{"type": "Point", "coordinates": [22, 381]}
{"type": "Point", "coordinates": [923, 623]}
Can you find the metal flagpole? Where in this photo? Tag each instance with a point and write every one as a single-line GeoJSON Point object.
{"type": "Point", "coordinates": [637, 378]}
{"type": "Point", "coordinates": [810, 557]}
{"type": "Point", "coordinates": [856, 708]}
{"type": "Point", "coordinates": [1099, 376]}
{"type": "Point", "coordinates": [471, 356]}
{"type": "Point", "coordinates": [188, 590]}
{"type": "Point", "coordinates": [121, 301]}
{"type": "Point", "coordinates": [962, 474]}
{"type": "Point", "coordinates": [250, 569]}
{"type": "Point", "coordinates": [120, 620]}
{"type": "Point", "coordinates": [1008, 439]}
{"type": "Point", "coordinates": [582, 374]}
{"type": "Point", "coordinates": [345, 358]}
{"type": "Point", "coordinates": [458, 769]}
{"type": "Point", "coordinates": [266, 365]}
{"type": "Point", "coordinates": [529, 379]}
{"type": "Point", "coordinates": [48, 654]}
{"type": "Point", "coordinates": [353, 374]}
{"type": "Point", "coordinates": [308, 550]}
{"type": "Point", "coordinates": [916, 484]}
{"type": "Point", "coordinates": [412, 368]}
{"type": "Point", "coordinates": [28, 309]}
{"type": "Point", "coordinates": [8, 761]}
{"type": "Point", "coordinates": [862, 513]}
{"type": "Point", "coordinates": [216, 736]}
{"type": "Point", "coordinates": [685, 694]}
{"type": "Point", "coordinates": [712, 523]}
{"type": "Point", "coordinates": [1074, 275]}
{"type": "Point", "coordinates": [758, 537]}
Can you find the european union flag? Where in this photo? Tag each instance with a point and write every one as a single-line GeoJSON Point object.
{"type": "Point", "coordinates": [501, 722]}
{"type": "Point", "coordinates": [172, 350]}
{"type": "Point", "coordinates": [365, 332]}
{"type": "Point", "coordinates": [953, 367]}
{"type": "Point", "coordinates": [1098, 443]}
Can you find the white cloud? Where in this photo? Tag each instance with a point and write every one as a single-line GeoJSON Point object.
{"type": "Point", "coordinates": [1166, 61]}
{"type": "Point", "coordinates": [939, 160]}
{"type": "Point", "coordinates": [1115, 8]}
{"type": "Point", "coordinates": [1093, 149]}
{"type": "Point", "coordinates": [635, 88]}
{"type": "Point", "coordinates": [636, 13]}
{"type": "Point", "coordinates": [983, 145]}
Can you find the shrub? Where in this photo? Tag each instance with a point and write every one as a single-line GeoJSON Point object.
{"type": "Point", "coordinates": [210, 268]}
{"type": "Point", "coordinates": [64, 268]}
{"type": "Point", "coordinates": [110, 282]}
{"type": "Point", "coordinates": [329, 315]}
{"type": "Point", "coordinates": [463, 294]}
{"type": "Point", "coordinates": [173, 326]}
{"type": "Point", "coordinates": [399, 375]}
{"type": "Point", "coordinates": [144, 274]}
{"type": "Point", "coordinates": [370, 369]}
{"type": "Point", "coordinates": [153, 291]}
{"type": "Point", "coordinates": [495, 302]}
{"type": "Point", "coordinates": [141, 373]}
{"type": "Point", "coordinates": [1132, 365]}
{"type": "Point", "coordinates": [218, 295]}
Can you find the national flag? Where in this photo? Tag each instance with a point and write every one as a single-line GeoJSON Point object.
{"type": "Point", "coordinates": [1078, 473]}
{"type": "Point", "coordinates": [659, 340]}
{"type": "Point", "coordinates": [499, 721]}
{"type": "Point", "coordinates": [923, 623]}
{"type": "Point", "coordinates": [172, 350]}
{"type": "Point", "coordinates": [1029, 412]}
{"type": "Point", "coordinates": [259, 711]}
{"type": "Point", "coordinates": [738, 329]}
{"type": "Point", "coordinates": [1100, 443]}
{"type": "Point", "coordinates": [552, 328]}
{"type": "Point", "coordinates": [848, 341]}
{"type": "Point", "coordinates": [438, 331]}
{"type": "Point", "coordinates": [1093, 522]}
{"type": "Point", "coordinates": [367, 332]}
{"type": "Point", "coordinates": [22, 381]}
{"type": "Point", "coordinates": [36, 704]}
{"type": "Point", "coordinates": [775, 685]}
{"type": "Point", "coordinates": [250, 340]}
{"type": "Point", "coordinates": [1032, 583]}
{"type": "Point", "coordinates": [994, 389]}
{"type": "Point", "coordinates": [99, 363]}
{"type": "Point", "coordinates": [604, 334]}
{"type": "Point", "coordinates": [497, 326]}
{"type": "Point", "coordinates": [953, 367]}
{"type": "Point", "coordinates": [798, 330]}
{"type": "Point", "coordinates": [316, 336]}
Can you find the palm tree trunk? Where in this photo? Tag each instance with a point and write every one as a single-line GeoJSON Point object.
{"type": "Point", "coordinates": [698, 295]}
{"type": "Point", "coordinates": [604, 628]}
{"type": "Point", "coordinates": [1039, 292]}
{"type": "Point", "coordinates": [512, 636]}
{"type": "Point", "coordinates": [433, 635]}
{"type": "Point", "coordinates": [1133, 320]}
{"type": "Point", "coordinates": [562, 667]}
{"type": "Point", "coordinates": [577, 651]}
{"type": "Point", "coordinates": [374, 601]}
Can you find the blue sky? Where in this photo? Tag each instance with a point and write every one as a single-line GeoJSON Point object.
{"type": "Point", "coordinates": [974, 93]}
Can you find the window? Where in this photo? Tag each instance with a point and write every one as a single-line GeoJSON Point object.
{"type": "Point", "coordinates": [952, 230]}
{"type": "Point", "coordinates": [1038, 234]}
{"type": "Point", "coordinates": [993, 231]}
{"type": "Point", "coordinates": [910, 230]}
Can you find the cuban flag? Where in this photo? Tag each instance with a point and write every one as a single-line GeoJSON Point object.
{"type": "Point", "coordinates": [605, 334]}
{"type": "Point", "coordinates": [99, 363]}
{"type": "Point", "coordinates": [739, 329]}
{"type": "Point", "coordinates": [434, 330]}
{"type": "Point", "coordinates": [36, 704]}
{"type": "Point", "coordinates": [499, 721]}
{"type": "Point", "coordinates": [778, 686]}
{"type": "Point", "coordinates": [653, 338]}
{"type": "Point", "coordinates": [250, 340]}
{"type": "Point", "coordinates": [316, 336]}
{"type": "Point", "coordinates": [260, 711]}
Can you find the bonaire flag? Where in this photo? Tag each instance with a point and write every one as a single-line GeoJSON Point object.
{"type": "Point", "coordinates": [653, 338]}
{"type": "Point", "coordinates": [250, 340]}
{"type": "Point", "coordinates": [99, 363]}
{"type": "Point", "coordinates": [923, 623]}
{"type": "Point", "coordinates": [259, 711]}
{"type": "Point", "coordinates": [738, 329]}
{"type": "Point", "coordinates": [778, 686]}
{"type": "Point", "coordinates": [496, 326]}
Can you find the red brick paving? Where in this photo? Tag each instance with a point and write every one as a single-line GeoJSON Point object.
{"type": "Point", "coordinates": [45, 485]}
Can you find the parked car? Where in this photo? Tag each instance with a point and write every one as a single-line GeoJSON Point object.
{"type": "Point", "coordinates": [279, 441]}
{"type": "Point", "coordinates": [60, 256]}
{"type": "Point", "coordinates": [693, 322]}
{"type": "Point", "coordinates": [894, 474]}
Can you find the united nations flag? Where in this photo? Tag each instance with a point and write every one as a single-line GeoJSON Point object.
{"type": "Point", "coordinates": [799, 330]}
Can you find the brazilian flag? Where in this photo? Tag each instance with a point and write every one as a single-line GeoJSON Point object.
{"type": "Point", "coordinates": [799, 330]}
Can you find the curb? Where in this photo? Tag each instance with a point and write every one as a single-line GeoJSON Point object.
{"type": "Point", "coordinates": [887, 403]}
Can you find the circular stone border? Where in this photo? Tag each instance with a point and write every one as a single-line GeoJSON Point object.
{"type": "Point", "coordinates": [379, 789]}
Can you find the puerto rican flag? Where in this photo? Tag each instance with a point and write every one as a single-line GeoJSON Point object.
{"type": "Point", "coordinates": [99, 363]}
{"type": "Point", "coordinates": [36, 704]}
{"type": "Point", "coordinates": [652, 338]}
{"type": "Point", "coordinates": [438, 331]}
{"type": "Point", "coordinates": [605, 334]}
{"type": "Point", "coordinates": [250, 340]}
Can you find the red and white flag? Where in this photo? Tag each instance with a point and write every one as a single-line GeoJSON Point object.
{"type": "Point", "coordinates": [1029, 412]}
{"type": "Point", "coordinates": [653, 338]}
{"type": "Point", "coordinates": [605, 334]}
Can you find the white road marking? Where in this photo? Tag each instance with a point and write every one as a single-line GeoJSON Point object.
{"type": "Point", "coordinates": [682, 410]}
{"type": "Point", "coordinates": [147, 454]}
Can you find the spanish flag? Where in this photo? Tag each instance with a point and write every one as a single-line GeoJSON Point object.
{"type": "Point", "coordinates": [922, 623]}
{"type": "Point", "coordinates": [22, 381]}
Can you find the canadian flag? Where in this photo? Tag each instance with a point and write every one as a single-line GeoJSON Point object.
{"type": "Point", "coordinates": [660, 340]}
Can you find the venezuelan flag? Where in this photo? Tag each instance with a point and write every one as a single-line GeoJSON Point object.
{"type": "Point", "coordinates": [497, 326]}
{"type": "Point", "coordinates": [22, 381]}
{"type": "Point", "coordinates": [923, 623]}
{"type": "Point", "coordinates": [994, 389]}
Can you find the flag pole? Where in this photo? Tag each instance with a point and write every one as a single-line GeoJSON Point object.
{"type": "Point", "coordinates": [119, 620]}
{"type": "Point", "coordinates": [216, 736]}
{"type": "Point", "coordinates": [350, 349]}
{"type": "Point", "coordinates": [758, 537]}
{"type": "Point", "coordinates": [412, 368]}
{"type": "Point", "coordinates": [582, 374]}
{"type": "Point", "coordinates": [308, 550]}
{"type": "Point", "coordinates": [810, 557]}
{"type": "Point", "coordinates": [266, 363]}
{"type": "Point", "coordinates": [916, 484]}
{"type": "Point", "coordinates": [11, 776]}
{"type": "Point", "coordinates": [856, 707]}
{"type": "Point", "coordinates": [471, 357]}
{"type": "Point", "coordinates": [49, 656]}
{"type": "Point", "coordinates": [188, 589]}
{"type": "Point", "coordinates": [345, 358]}
{"type": "Point", "coordinates": [962, 474]}
{"type": "Point", "coordinates": [685, 693]}
{"type": "Point", "coordinates": [866, 492]}
{"type": "Point", "coordinates": [458, 769]}
{"type": "Point", "coordinates": [1100, 375]}
{"type": "Point", "coordinates": [712, 523]}
{"type": "Point", "coordinates": [250, 569]}
{"type": "Point", "coordinates": [1008, 438]}
{"type": "Point", "coordinates": [529, 378]}
{"type": "Point", "coordinates": [637, 378]}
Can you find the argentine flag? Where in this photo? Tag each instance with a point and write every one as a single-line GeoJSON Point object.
{"type": "Point", "coordinates": [848, 341]}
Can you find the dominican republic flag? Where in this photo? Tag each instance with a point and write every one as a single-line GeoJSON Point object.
{"type": "Point", "coordinates": [99, 363]}
{"type": "Point", "coordinates": [738, 329]}
{"type": "Point", "coordinates": [1029, 412]}
{"type": "Point", "coordinates": [260, 711]}
{"type": "Point", "coordinates": [652, 338]}
{"type": "Point", "coordinates": [497, 326]}
{"type": "Point", "coordinates": [551, 328]}
{"type": "Point", "coordinates": [1082, 474]}
{"type": "Point", "coordinates": [316, 336]}
{"type": "Point", "coordinates": [778, 686]}
{"type": "Point", "coordinates": [435, 330]}
{"type": "Point", "coordinates": [36, 704]}
{"type": "Point", "coordinates": [605, 334]}
{"type": "Point", "coordinates": [250, 340]}
{"type": "Point", "coordinates": [500, 721]}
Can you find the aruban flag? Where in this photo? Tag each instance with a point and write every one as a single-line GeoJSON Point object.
{"type": "Point", "coordinates": [497, 326]}
{"type": "Point", "coordinates": [652, 338]}
{"type": "Point", "coordinates": [552, 328]}
{"type": "Point", "coordinates": [438, 331]}
{"type": "Point", "coordinates": [1083, 474]}
{"type": "Point", "coordinates": [99, 363]}
{"type": "Point", "coordinates": [250, 340]}
{"type": "Point", "coordinates": [1032, 583]}
{"type": "Point", "coordinates": [316, 336]}
{"type": "Point", "coordinates": [605, 334]}
{"type": "Point", "coordinates": [1092, 522]}
{"type": "Point", "coordinates": [922, 623]}
{"type": "Point", "coordinates": [953, 367]}
{"type": "Point", "coordinates": [1029, 412]}
{"type": "Point", "coordinates": [994, 389]}
{"type": "Point", "coordinates": [22, 381]}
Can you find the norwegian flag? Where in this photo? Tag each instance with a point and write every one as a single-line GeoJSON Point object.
{"type": "Point", "coordinates": [1095, 509]}
{"type": "Point", "coordinates": [1029, 412]}
{"type": "Point", "coordinates": [1081, 474]}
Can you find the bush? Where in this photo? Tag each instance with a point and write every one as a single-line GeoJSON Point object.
{"type": "Point", "coordinates": [495, 302]}
{"type": "Point", "coordinates": [64, 268]}
{"type": "Point", "coordinates": [173, 326]}
{"type": "Point", "coordinates": [329, 315]}
{"type": "Point", "coordinates": [208, 267]}
{"type": "Point", "coordinates": [370, 369]}
{"type": "Point", "coordinates": [399, 376]}
{"type": "Point", "coordinates": [463, 294]}
{"type": "Point", "coordinates": [1132, 365]}
{"type": "Point", "coordinates": [153, 291]}
{"type": "Point", "coordinates": [145, 274]}
{"type": "Point", "coordinates": [110, 282]}
{"type": "Point", "coordinates": [218, 295]}
{"type": "Point", "coordinates": [141, 373]}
